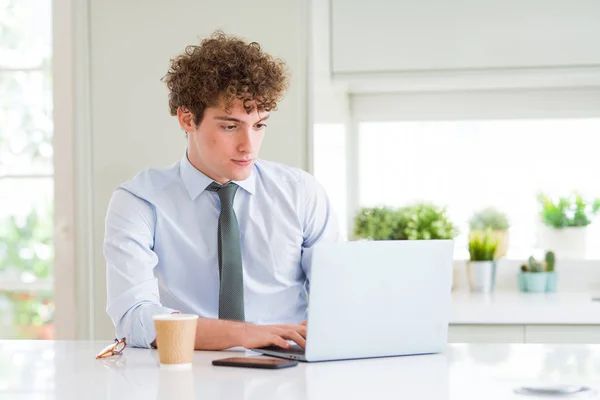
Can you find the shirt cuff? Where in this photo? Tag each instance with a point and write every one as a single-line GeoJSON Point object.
{"type": "Point", "coordinates": [142, 332]}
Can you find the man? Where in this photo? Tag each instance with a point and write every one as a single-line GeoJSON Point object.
{"type": "Point", "coordinates": [220, 233]}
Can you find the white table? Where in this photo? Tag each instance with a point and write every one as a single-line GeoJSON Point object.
{"type": "Point", "coordinates": [68, 370]}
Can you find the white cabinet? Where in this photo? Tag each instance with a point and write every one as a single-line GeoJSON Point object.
{"type": "Point", "coordinates": [562, 334]}
{"type": "Point", "coordinates": [460, 333]}
{"type": "Point", "coordinates": [486, 334]}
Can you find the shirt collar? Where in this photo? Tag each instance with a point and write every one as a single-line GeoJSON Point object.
{"type": "Point", "coordinates": [196, 182]}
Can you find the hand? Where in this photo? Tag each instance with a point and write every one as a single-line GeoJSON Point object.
{"type": "Point", "coordinates": [277, 335]}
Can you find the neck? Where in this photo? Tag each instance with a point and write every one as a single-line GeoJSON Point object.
{"type": "Point", "coordinates": [197, 163]}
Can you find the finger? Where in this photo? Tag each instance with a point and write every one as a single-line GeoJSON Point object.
{"type": "Point", "coordinates": [303, 323]}
{"type": "Point", "coordinates": [296, 337]}
{"type": "Point", "coordinates": [277, 340]}
{"type": "Point", "coordinates": [300, 328]}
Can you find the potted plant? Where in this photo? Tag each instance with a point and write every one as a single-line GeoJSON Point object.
{"type": "Point", "coordinates": [564, 223]}
{"type": "Point", "coordinates": [538, 276]}
{"type": "Point", "coordinates": [379, 223]}
{"type": "Point", "coordinates": [481, 268]}
{"type": "Point", "coordinates": [425, 221]}
{"type": "Point", "coordinates": [495, 220]}
{"type": "Point", "coordinates": [416, 221]}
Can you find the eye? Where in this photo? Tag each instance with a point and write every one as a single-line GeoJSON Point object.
{"type": "Point", "coordinates": [229, 128]}
{"type": "Point", "coordinates": [260, 126]}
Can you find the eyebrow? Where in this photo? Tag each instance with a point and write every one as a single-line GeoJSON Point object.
{"type": "Point", "coordinates": [231, 119]}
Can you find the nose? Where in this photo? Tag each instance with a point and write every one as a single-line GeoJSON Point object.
{"type": "Point", "coordinates": [245, 143]}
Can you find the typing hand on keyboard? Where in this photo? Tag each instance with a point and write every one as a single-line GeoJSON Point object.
{"type": "Point", "coordinates": [274, 335]}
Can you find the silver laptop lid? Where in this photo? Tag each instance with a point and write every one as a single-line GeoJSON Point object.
{"type": "Point", "coordinates": [379, 298]}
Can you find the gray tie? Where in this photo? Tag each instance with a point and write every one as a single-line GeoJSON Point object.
{"type": "Point", "coordinates": [231, 292]}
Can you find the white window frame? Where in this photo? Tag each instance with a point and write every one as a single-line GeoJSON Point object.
{"type": "Point", "coordinates": [72, 171]}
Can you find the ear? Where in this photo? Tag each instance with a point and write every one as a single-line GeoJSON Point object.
{"type": "Point", "coordinates": [186, 119]}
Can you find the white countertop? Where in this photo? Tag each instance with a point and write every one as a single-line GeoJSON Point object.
{"type": "Point", "coordinates": [68, 370]}
{"type": "Point", "coordinates": [524, 308]}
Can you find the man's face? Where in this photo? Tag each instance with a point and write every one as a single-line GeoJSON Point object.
{"type": "Point", "coordinates": [226, 144]}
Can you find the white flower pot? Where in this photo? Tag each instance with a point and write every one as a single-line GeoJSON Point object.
{"type": "Point", "coordinates": [482, 276]}
{"type": "Point", "coordinates": [566, 243]}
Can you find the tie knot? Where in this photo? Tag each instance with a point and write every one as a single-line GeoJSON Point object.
{"type": "Point", "coordinates": [226, 192]}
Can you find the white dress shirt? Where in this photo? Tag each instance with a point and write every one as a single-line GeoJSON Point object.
{"type": "Point", "coordinates": [161, 245]}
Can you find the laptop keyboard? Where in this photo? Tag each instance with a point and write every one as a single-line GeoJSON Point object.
{"type": "Point", "coordinates": [295, 349]}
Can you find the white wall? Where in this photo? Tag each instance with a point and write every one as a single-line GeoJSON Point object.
{"type": "Point", "coordinates": [329, 100]}
{"type": "Point", "coordinates": [409, 35]}
{"type": "Point", "coordinates": [131, 43]}
{"type": "Point", "coordinates": [408, 45]}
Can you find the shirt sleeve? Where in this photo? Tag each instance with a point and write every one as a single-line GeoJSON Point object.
{"type": "Point", "coordinates": [320, 222]}
{"type": "Point", "coordinates": [132, 289]}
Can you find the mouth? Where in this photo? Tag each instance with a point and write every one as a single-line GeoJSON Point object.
{"type": "Point", "coordinates": [243, 163]}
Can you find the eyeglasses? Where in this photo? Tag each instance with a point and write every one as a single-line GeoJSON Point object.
{"type": "Point", "coordinates": [114, 349]}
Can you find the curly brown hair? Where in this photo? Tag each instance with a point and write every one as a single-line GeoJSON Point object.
{"type": "Point", "coordinates": [221, 69]}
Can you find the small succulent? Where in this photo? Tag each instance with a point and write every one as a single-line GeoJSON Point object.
{"type": "Point", "coordinates": [550, 261]}
{"type": "Point", "coordinates": [545, 266]}
{"type": "Point", "coordinates": [534, 266]}
{"type": "Point", "coordinates": [524, 268]}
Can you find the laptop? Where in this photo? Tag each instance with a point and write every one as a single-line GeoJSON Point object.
{"type": "Point", "coordinates": [376, 299]}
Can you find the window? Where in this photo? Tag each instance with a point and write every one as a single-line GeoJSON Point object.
{"type": "Point", "coordinates": [26, 171]}
{"type": "Point", "coordinates": [470, 164]}
{"type": "Point", "coordinates": [329, 159]}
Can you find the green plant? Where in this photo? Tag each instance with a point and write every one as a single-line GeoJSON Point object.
{"type": "Point", "coordinates": [550, 261]}
{"type": "Point", "coordinates": [32, 309]}
{"type": "Point", "coordinates": [377, 223]}
{"type": "Point", "coordinates": [567, 211]}
{"type": "Point", "coordinates": [482, 245]}
{"type": "Point", "coordinates": [26, 250]}
{"type": "Point", "coordinates": [26, 243]}
{"type": "Point", "coordinates": [533, 265]}
{"type": "Point", "coordinates": [489, 218]}
{"type": "Point", "coordinates": [425, 221]}
{"type": "Point", "coordinates": [417, 221]}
